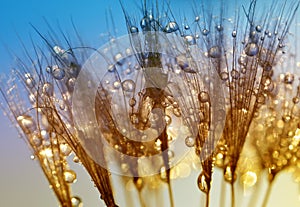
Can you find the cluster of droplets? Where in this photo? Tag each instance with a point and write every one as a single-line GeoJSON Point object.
{"type": "Point", "coordinates": [147, 101]}
{"type": "Point", "coordinates": [278, 126]}
{"type": "Point", "coordinates": [39, 124]}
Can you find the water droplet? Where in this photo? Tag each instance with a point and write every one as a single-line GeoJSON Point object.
{"type": "Point", "coordinates": [71, 83]}
{"type": "Point", "coordinates": [32, 157]}
{"type": "Point", "coordinates": [270, 34]}
{"type": "Point", "coordinates": [168, 120]}
{"type": "Point", "coordinates": [228, 174]}
{"type": "Point", "coordinates": [58, 73]}
{"type": "Point", "coordinates": [190, 39]}
{"type": "Point", "coordinates": [243, 60]}
{"type": "Point", "coordinates": [253, 36]}
{"type": "Point", "coordinates": [132, 102]}
{"type": "Point", "coordinates": [158, 144]}
{"type": "Point", "coordinates": [59, 51]}
{"type": "Point", "coordinates": [76, 159]}
{"type": "Point", "coordinates": [119, 59]}
{"type": "Point", "coordinates": [133, 29]}
{"type": "Point", "coordinates": [145, 24]}
{"type": "Point", "coordinates": [235, 74]}
{"type": "Point", "coordinates": [139, 183]}
{"type": "Point", "coordinates": [26, 123]}
{"type": "Point", "coordinates": [36, 140]}
{"type": "Point", "coordinates": [286, 118]}
{"type": "Point", "coordinates": [203, 96]}
{"type": "Point", "coordinates": [183, 63]}
{"type": "Point", "coordinates": [205, 32]}
{"type": "Point", "coordinates": [30, 82]}
{"type": "Point", "coordinates": [76, 201]}
{"type": "Point", "coordinates": [214, 52]}
{"type": "Point", "coordinates": [163, 173]}
{"type": "Point", "coordinates": [190, 141]}
{"type": "Point", "coordinates": [46, 152]}
{"type": "Point", "coordinates": [47, 89]}
{"type": "Point", "coordinates": [219, 28]}
{"type": "Point", "coordinates": [49, 69]}
{"type": "Point", "coordinates": [224, 76]}
{"type": "Point", "coordinates": [171, 154]}
{"type": "Point", "coordinates": [70, 176]}
{"type": "Point", "coordinates": [111, 68]}
{"type": "Point", "coordinates": [233, 34]}
{"type": "Point", "coordinates": [258, 28]}
{"type": "Point", "coordinates": [186, 27]}
{"type": "Point", "coordinates": [266, 80]}
{"type": "Point", "coordinates": [117, 84]}
{"type": "Point", "coordinates": [177, 112]}
{"type": "Point", "coordinates": [251, 49]}
{"type": "Point", "coordinates": [289, 78]}
{"type": "Point", "coordinates": [295, 100]}
{"type": "Point", "coordinates": [65, 149]}
{"type": "Point", "coordinates": [73, 69]}
{"type": "Point", "coordinates": [202, 183]}
{"type": "Point", "coordinates": [128, 85]}
{"type": "Point", "coordinates": [197, 18]}
{"type": "Point", "coordinates": [280, 45]}
{"type": "Point", "coordinates": [171, 27]}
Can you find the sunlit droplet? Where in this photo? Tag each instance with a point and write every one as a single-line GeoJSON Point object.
{"type": "Point", "coordinates": [58, 73]}
{"type": "Point", "coordinates": [190, 141]}
{"type": "Point", "coordinates": [202, 184]}
{"type": "Point", "coordinates": [70, 176]}
{"type": "Point", "coordinates": [128, 85]}
{"type": "Point", "coordinates": [251, 49]}
{"type": "Point", "coordinates": [76, 201]}
{"type": "Point", "coordinates": [214, 52]}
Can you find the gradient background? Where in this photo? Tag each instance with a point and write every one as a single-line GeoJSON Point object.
{"type": "Point", "coordinates": [21, 181]}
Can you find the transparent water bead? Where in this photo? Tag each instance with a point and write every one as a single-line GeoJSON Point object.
{"type": "Point", "coordinates": [59, 51]}
{"type": "Point", "coordinates": [26, 123]}
{"type": "Point", "coordinates": [58, 73]}
{"type": "Point", "coordinates": [228, 175]}
{"type": "Point", "coordinates": [171, 27]}
{"type": "Point", "coordinates": [36, 140]}
{"type": "Point", "coordinates": [190, 141]}
{"type": "Point", "coordinates": [219, 28]}
{"type": "Point", "coordinates": [47, 89]}
{"type": "Point", "coordinates": [49, 69]}
{"type": "Point", "coordinates": [190, 39]}
{"type": "Point", "coordinates": [233, 34]}
{"type": "Point", "coordinates": [205, 32]}
{"type": "Point", "coordinates": [214, 52]}
{"type": "Point", "coordinates": [251, 49]}
{"type": "Point", "coordinates": [119, 59]}
{"type": "Point", "coordinates": [71, 83]}
{"type": "Point", "coordinates": [76, 201]}
{"type": "Point", "coordinates": [70, 176]}
{"type": "Point", "coordinates": [145, 24]}
{"type": "Point", "coordinates": [202, 183]}
{"type": "Point", "coordinates": [258, 28]}
{"type": "Point", "coordinates": [128, 85]}
{"type": "Point", "coordinates": [203, 96]}
{"type": "Point", "coordinates": [29, 80]}
{"type": "Point", "coordinates": [289, 78]}
{"type": "Point", "coordinates": [65, 149]}
{"type": "Point", "coordinates": [133, 29]}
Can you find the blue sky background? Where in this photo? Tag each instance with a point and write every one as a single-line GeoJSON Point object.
{"type": "Point", "coordinates": [21, 181]}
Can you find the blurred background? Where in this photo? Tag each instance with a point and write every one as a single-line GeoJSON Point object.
{"type": "Point", "coordinates": [22, 183]}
